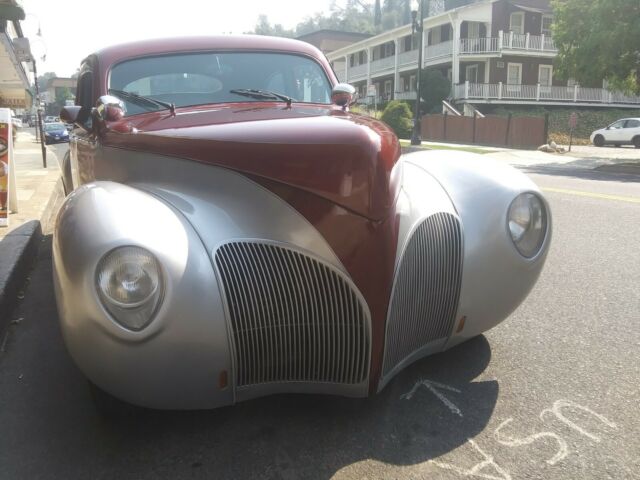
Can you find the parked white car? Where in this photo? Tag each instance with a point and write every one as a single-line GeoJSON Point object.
{"type": "Point", "coordinates": [621, 132]}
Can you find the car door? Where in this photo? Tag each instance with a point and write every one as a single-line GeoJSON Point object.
{"type": "Point", "coordinates": [631, 129]}
{"type": "Point", "coordinates": [83, 142]}
{"type": "Point", "coordinates": [615, 131]}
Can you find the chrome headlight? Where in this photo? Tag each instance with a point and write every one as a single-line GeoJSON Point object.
{"type": "Point", "coordinates": [129, 283]}
{"type": "Point", "coordinates": [527, 220]}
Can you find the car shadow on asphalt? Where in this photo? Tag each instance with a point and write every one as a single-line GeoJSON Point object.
{"type": "Point", "coordinates": [603, 173]}
{"type": "Point", "coordinates": [281, 436]}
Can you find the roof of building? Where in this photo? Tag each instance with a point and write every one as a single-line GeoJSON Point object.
{"type": "Point", "coordinates": [328, 31]}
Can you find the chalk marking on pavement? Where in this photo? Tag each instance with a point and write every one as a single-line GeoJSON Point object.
{"type": "Point", "coordinates": [431, 386]}
{"type": "Point", "coordinates": [604, 196]}
{"type": "Point", "coordinates": [557, 411]}
{"type": "Point", "coordinates": [507, 441]}
{"type": "Point", "coordinates": [475, 471]}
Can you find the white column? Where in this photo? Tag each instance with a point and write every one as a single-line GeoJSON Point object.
{"type": "Point", "coordinates": [487, 67]}
{"type": "Point", "coordinates": [526, 42]}
{"type": "Point", "coordinates": [396, 73]}
{"type": "Point", "coordinates": [500, 39]}
{"type": "Point", "coordinates": [346, 69]}
{"type": "Point", "coordinates": [455, 59]}
{"type": "Point", "coordinates": [368, 66]}
{"type": "Point", "coordinates": [538, 92]}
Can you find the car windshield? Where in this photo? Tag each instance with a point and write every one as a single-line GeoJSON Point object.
{"type": "Point", "coordinates": [48, 127]}
{"type": "Point", "coordinates": [204, 78]}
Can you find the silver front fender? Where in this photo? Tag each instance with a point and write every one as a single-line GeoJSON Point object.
{"type": "Point", "coordinates": [179, 360]}
{"type": "Point", "coordinates": [496, 278]}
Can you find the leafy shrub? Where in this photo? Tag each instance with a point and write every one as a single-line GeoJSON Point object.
{"type": "Point", "coordinates": [398, 116]}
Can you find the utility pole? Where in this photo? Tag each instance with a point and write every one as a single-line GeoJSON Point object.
{"type": "Point", "coordinates": [418, 27]}
{"type": "Point", "coordinates": [39, 114]}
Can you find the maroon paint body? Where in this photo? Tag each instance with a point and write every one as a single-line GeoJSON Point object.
{"type": "Point", "coordinates": [338, 169]}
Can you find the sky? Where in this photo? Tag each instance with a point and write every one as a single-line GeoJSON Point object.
{"type": "Point", "coordinates": [72, 29]}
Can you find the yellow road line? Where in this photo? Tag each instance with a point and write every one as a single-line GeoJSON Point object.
{"type": "Point", "coordinates": [593, 195]}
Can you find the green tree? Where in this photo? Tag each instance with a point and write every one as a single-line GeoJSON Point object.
{"type": "Point", "coordinates": [434, 87]}
{"type": "Point", "coordinates": [398, 116]}
{"type": "Point", "coordinates": [598, 39]}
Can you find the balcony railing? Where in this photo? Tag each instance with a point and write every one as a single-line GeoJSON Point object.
{"type": "Point", "coordinates": [541, 93]}
{"type": "Point", "coordinates": [408, 58]}
{"type": "Point", "coordinates": [507, 41]}
{"type": "Point", "coordinates": [383, 64]}
{"type": "Point", "coordinates": [527, 42]}
{"type": "Point", "coordinates": [357, 71]}
{"type": "Point", "coordinates": [443, 49]}
{"type": "Point", "coordinates": [341, 74]}
{"type": "Point", "coordinates": [410, 95]}
{"type": "Point", "coordinates": [470, 46]}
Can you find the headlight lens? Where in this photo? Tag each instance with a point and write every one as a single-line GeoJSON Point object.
{"type": "Point", "coordinates": [527, 220]}
{"type": "Point", "coordinates": [129, 284]}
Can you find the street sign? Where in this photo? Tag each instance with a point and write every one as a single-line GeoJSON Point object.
{"type": "Point", "coordinates": [573, 120]}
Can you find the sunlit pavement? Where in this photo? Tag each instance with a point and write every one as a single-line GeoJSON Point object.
{"type": "Point", "coordinates": [551, 393]}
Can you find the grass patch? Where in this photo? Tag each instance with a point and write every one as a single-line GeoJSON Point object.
{"type": "Point", "coordinates": [407, 143]}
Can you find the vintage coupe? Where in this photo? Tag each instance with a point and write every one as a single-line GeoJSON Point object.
{"type": "Point", "coordinates": [233, 230]}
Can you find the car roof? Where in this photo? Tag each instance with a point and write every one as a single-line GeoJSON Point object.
{"type": "Point", "coordinates": [116, 53]}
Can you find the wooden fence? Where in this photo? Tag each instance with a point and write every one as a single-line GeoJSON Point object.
{"type": "Point", "coordinates": [516, 132]}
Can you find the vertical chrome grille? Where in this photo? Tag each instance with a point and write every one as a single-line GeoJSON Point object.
{"type": "Point", "coordinates": [294, 318]}
{"type": "Point", "coordinates": [426, 289]}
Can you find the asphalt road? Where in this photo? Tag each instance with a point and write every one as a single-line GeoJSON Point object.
{"type": "Point", "coordinates": [551, 393]}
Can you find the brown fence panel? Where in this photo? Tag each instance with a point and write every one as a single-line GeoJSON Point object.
{"type": "Point", "coordinates": [517, 132]}
{"type": "Point", "coordinates": [432, 128]}
{"type": "Point", "coordinates": [491, 130]}
{"type": "Point", "coordinates": [526, 132]}
{"type": "Point", "coordinates": [459, 129]}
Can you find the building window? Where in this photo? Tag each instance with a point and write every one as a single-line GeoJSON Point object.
{"type": "Point", "coordinates": [547, 20]}
{"type": "Point", "coordinates": [412, 83]}
{"type": "Point", "coordinates": [473, 30]}
{"type": "Point", "coordinates": [387, 90]}
{"type": "Point", "coordinates": [516, 23]}
{"type": "Point", "coordinates": [408, 44]}
{"type": "Point", "coordinates": [471, 73]}
{"type": "Point", "coordinates": [435, 35]}
{"type": "Point", "coordinates": [361, 58]}
{"type": "Point", "coordinates": [545, 75]}
{"type": "Point", "coordinates": [514, 74]}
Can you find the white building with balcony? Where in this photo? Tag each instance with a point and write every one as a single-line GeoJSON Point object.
{"type": "Point", "coordinates": [492, 51]}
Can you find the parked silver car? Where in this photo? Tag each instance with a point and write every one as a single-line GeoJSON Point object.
{"type": "Point", "coordinates": [621, 132]}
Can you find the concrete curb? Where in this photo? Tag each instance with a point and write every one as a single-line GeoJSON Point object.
{"type": "Point", "coordinates": [18, 252]}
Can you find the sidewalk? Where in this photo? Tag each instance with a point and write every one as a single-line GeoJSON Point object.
{"type": "Point", "coordinates": [39, 193]}
{"type": "Point", "coordinates": [35, 185]}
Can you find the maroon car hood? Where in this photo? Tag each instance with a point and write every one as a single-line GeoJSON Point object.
{"type": "Point", "coordinates": [345, 158]}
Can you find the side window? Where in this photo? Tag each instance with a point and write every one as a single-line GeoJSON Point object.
{"type": "Point", "coordinates": [84, 97]}
{"type": "Point", "coordinates": [632, 124]}
{"type": "Point", "coordinates": [616, 125]}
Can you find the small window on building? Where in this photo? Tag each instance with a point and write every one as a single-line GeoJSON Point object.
{"type": "Point", "coordinates": [547, 20]}
{"type": "Point", "coordinates": [514, 74]}
{"type": "Point", "coordinates": [412, 83]}
{"type": "Point", "coordinates": [516, 23]}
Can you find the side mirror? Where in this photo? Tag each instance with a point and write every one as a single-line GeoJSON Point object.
{"type": "Point", "coordinates": [70, 114]}
{"type": "Point", "coordinates": [343, 95]}
{"type": "Point", "coordinates": [109, 109]}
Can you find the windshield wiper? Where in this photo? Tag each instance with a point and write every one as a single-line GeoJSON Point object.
{"type": "Point", "coordinates": [255, 93]}
{"type": "Point", "coordinates": [134, 97]}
